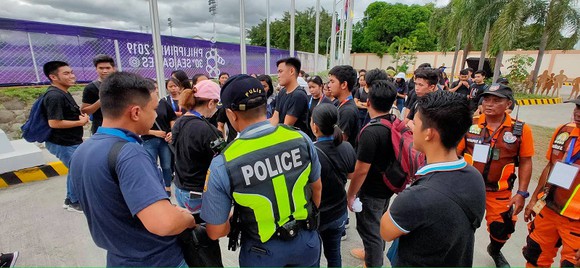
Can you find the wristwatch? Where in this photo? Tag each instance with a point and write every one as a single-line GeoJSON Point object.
{"type": "Point", "coordinates": [525, 194]}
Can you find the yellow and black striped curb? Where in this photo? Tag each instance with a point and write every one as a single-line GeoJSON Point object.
{"type": "Point", "coordinates": [539, 101]}
{"type": "Point", "coordinates": [38, 173]}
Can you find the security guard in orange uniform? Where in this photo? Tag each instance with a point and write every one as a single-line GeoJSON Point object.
{"type": "Point", "coordinates": [496, 144]}
{"type": "Point", "coordinates": [556, 201]}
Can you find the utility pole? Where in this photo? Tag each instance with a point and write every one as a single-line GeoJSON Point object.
{"type": "Point", "coordinates": [292, 24]}
{"type": "Point", "coordinates": [243, 37]}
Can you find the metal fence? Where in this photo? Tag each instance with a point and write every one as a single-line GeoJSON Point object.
{"type": "Point", "coordinates": [25, 46]}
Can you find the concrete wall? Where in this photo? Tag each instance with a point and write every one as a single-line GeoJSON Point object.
{"type": "Point", "coordinates": [553, 60]}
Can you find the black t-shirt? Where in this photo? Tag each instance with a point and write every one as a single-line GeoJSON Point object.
{"type": "Point", "coordinates": [312, 103]}
{"type": "Point", "coordinates": [401, 89]}
{"type": "Point", "coordinates": [348, 120]}
{"type": "Point", "coordinates": [175, 105]}
{"type": "Point", "coordinates": [461, 90]}
{"type": "Point", "coordinates": [90, 96]}
{"type": "Point", "coordinates": [192, 137]}
{"type": "Point", "coordinates": [335, 102]}
{"type": "Point", "coordinates": [432, 217]}
{"type": "Point", "coordinates": [411, 99]}
{"type": "Point", "coordinates": [475, 94]}
{"type": "Point", "coordinates": [223, 118]}
{"type": "Point", "coordinates": [412, 109]}
{"type": "Point", "coordinates": [60, 105]}
{"type": "Point", "coordinates": [165, 115]}
{"type": "Point", "coordinates": [375, 148]}
{"type": "Point", "coordinates": [362, 96]}
{"type": "Point", "coordinates": [294, 104]}
{"type": "Point", "coordinates": [333, 176]}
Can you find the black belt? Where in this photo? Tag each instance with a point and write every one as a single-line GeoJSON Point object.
{"type": "Point", "coordinates": [291, 229]}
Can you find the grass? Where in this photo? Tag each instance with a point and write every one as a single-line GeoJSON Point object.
{"type": "Point", "coordinates": [542, 137]}
{"type": "Point", "coordinates": [520, 95]}
{"type": "Point", "coordinates": [30, 93]}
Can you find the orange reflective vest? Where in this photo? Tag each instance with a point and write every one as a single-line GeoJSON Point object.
{"type": "Point", "coordinates": [501, 171]}
{"type": "Point", "coordinates": [565, 202]}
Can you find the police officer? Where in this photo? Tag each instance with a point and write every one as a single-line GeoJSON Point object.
{"type": "Point", "coordinates": [556, 201]}
{"type": "Point", "coordinates": [272, 175]}
{"type": "Point", "coordinates": [496, 144]}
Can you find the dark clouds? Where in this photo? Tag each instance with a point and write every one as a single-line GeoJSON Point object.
{"type": "Point", "coordinates": [190, 17]}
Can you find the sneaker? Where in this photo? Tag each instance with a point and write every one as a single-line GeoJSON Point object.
{"type": "Point", "coordinates": [343, 237]}
{"type": "Point", "coordinates": [8, 259]}
{"type": "Point", "coordinates": [66, 203]}
{"type": "Point", "coordinates": [75, 207]}
{"type": "Point", "coordinates": [358, 253]}
{"type": "Point", "coordinates": [498, 258]}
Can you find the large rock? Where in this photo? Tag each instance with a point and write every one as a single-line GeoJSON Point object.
{"type": "Point", "coordinates": [14, 104]}
{"type": "Point", "coordinates": [6, 116]}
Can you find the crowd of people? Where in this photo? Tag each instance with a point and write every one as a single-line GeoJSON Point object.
{"type": "Point", "coordinates": [278, 167]}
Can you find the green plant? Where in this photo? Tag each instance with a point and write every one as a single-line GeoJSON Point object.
{"type": "Point", "coordinates": [29, 94]}
{"type": "Point", "coordinates": [518, 66]}
{"type": "Point", "coordinates": [402, 51]}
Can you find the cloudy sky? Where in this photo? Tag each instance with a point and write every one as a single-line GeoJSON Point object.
{"type": "Point", "coordinates": [190, 17]}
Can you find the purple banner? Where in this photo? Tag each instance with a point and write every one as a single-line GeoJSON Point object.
{"type": "Point", "coordinates": [25, 46]}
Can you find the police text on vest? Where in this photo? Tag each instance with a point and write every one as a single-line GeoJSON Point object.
{"type": "Point", "coordinates": [271, 166]}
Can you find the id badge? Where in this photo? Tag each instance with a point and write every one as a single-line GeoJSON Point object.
{"type": "Point", "coordinates": [563, 174]}
{"type": "Point", "coordinates": [481, 153]}
{"type": "Point", "coordinates": [539, 206]}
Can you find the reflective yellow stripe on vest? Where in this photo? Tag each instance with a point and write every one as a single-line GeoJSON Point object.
{"type": "Point", "coordinates": [572, 207]}
{"type": "Point", "coordinates": [261, 205]}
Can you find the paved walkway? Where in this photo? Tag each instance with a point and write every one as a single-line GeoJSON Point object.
{"type": "Point", "coordinates": [33, 221]}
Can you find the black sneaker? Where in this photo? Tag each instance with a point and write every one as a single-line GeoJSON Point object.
{"type": "Point", "coordinates": [66, 203]}
{"type": "Point", "coordinates": [498, 258]}
{"type": "Point", "coordinates": [8, 259]}
{"type": "Point", "coordinates": [75, 207]}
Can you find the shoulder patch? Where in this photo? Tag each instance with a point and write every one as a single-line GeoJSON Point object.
{"type": "Point", "coordinates": [561, 138]}
{"type": "Point", "coordinates": [475, 129]}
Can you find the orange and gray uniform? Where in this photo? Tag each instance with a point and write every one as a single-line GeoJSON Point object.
{"type": "Point", "coordinates": [558, 223]}
{"type": "Point", "coordinates": [499, 172]}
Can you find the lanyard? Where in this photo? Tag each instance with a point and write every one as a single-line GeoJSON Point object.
{"type": "Point", "coordinates": [311, 98]}
{"type": "Point", "coordinates": [491, 139]}
{"type": "Point", "coordinates": [571, 159]}
{"type": "Point", "coordinates": [195, 113]}
{"type": "Point", "coordinates": [173, 105]}
{"type": "Point", "coordinates": [345, 101]}
{"type": "Point", "coordinates": [117, 133]}
{"type": "Point", "coordinates": [325, 138]}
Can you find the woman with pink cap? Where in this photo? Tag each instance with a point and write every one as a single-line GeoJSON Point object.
{"type": "Point", "coordinates": [193, 137]}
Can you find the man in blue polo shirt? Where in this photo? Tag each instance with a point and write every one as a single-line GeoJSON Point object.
{"type": "Point", "coordinates": [435, 219]}
{"type": "Point", "coordinates": [126, 205]}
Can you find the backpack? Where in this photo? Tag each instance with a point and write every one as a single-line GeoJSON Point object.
{"type": "Point", "coordinates": [36, 128]}
{"type": "Point", "coordinates": [401, 172]}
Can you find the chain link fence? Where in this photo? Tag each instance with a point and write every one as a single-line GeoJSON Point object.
{"type": "Point", "coordinates": [26, 46]}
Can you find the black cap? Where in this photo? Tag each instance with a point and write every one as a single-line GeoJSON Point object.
{"type": "Point", "coordinates": [575, 101]}
{"type": "Point", "coordinates": [242, 92]}
{"type": "Point", "coordinates": [499, 90]}
{"type": "Point", "coordinates": [502, 80]}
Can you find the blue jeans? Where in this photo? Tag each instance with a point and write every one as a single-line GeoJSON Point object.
{"type": "Point", "coordinates": [400, 104]}
{"type": "Point", "coordinates": [302, 251]}
{"type": "Point", "coordinates": [64, 153]}
{"type": "Point", "coordinates": [330, 234]}
{"type": "Point", "coordinates": [184, 200]}
{"type": "Point", "coordinates": [158, 147]}
{"type": "Point", "coordinates": [368, 225]}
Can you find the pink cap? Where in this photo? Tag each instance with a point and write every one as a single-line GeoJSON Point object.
{"type": "Point", "coordinates": [207, 89]}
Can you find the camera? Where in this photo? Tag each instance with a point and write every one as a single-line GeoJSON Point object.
{"type": "Point", "coordinates": [218, 145]}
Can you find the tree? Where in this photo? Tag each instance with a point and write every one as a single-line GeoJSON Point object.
{"type": "Point", "coordinates": [559, 15]}
{"type": "Point", "coordinates": [305, 23]}
{"type": "Point", "coordinates": [383, 22]}
{"type": "Point", "coordinates": [403, 52]}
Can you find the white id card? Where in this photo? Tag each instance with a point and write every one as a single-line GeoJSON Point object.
{"type": "Point", "coordinates": [563, 175]}
{"type": "Point", "coordinates": [480, 153]}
